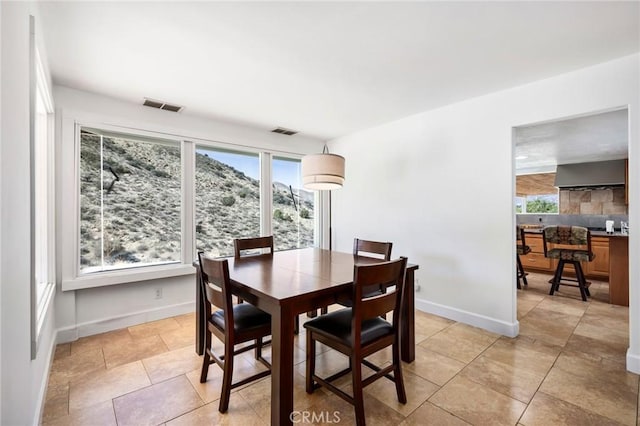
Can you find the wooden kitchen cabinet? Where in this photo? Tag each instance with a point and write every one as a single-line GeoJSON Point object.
{"type": "Point", "coordinates": [535, 259]}
{"type": "Point", "coordinates": [619, 274]}
{"type": "Point", "coordinates": [598, 267]}
{"type": "Point", "coordinates": [610, 264]}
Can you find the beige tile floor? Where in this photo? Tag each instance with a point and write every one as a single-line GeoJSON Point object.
{"type": "Point", "coordinates": [566, 367]}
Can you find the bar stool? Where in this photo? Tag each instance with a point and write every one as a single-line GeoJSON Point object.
{"type": "Point", "coordinates": [573, 239]}
{"type": "Point", "coordinates": [521, 249]}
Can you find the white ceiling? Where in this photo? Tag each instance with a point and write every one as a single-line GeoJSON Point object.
{"type": "Point", "coordinates": [596, 137]}
{"type": "Point", "coordinates": [325, 69]}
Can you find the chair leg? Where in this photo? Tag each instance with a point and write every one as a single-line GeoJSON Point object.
{"type": "Point", "coordinates": [356, 381]}
{"type": "Point", "coordinates": [564, 262]}
{"type": "Point", "coordinates": [311, 362]}
{"type": "Point", "coordinates": [555, 283]}
{"type": "Point", "coordinates": [524, 274]}
{"type": "Point", "coordinates": [521, 273]}
{"type": "Point", "coordinates": [296, 325]}
{"type": "Point", "coordinates": [206, 358]}
{"type": "Point", "coordinates": [258, 349]}
{"type": "Point", "coordinates": [581, 281]}
{"type": "Point", "coordinates": [227, 376]}
{"type": "Point", "coordinates": [324, 310]}
{"type": "Point", "coordinates": [397, 374]}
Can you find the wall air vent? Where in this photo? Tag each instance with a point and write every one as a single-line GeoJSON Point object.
{"type": "Point", "coordinates": [161, 105]}
{"type": "Point", "coordinates": [284, 131]}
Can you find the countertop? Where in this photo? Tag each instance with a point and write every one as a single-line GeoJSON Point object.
{"type": "Point", "coordinates": [594, 233]}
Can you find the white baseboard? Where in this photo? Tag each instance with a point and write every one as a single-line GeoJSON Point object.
{"type": "Point", "coordinates": [633, 362]}
{"type": "Point", "coordinates": [470, 318]}
{"type": "Point", "coordinates": [69, 334]}
{"type": "Point", "coordinates": [51, 350]}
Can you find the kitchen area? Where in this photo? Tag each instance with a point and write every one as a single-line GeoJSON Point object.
{"type": "Point", "coordinates": [574, 172]}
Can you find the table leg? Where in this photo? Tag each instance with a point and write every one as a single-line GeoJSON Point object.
{"type": "Point", "coordinates": [408, 336]}
{"type": "Point", "coordinates": [282, 366]}
{"type": "Point", "coordinates": [199, 315]}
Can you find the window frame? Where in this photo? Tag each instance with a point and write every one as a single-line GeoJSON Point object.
{"type": "Point", "coordinates": [526, 201]}
{"type": "Point", "coordinates": [73, 280]}
{"type": "Point", "coordinates": [42, 190]}
{"type": "Point", "coordinates": [134, 137]}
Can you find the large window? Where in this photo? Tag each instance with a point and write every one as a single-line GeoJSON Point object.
{"type": "Point", "coordinates": [547, 203]}
{"type": "Point", "coordinates": [293, 207]}
{"type": "Point", "coordinates": [227, 199]}
{"type": "Point", "coordinates": [130, 201]}
{"type": "Point", "coordinates": [42, 198]}
{"type": "Point", "coordinates": [147, 202]}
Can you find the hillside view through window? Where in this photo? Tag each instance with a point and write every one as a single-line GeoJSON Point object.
{"type": "Point", "coordinates": [131, 198]}
{"type": "Point", "coordinates": [130, 202]}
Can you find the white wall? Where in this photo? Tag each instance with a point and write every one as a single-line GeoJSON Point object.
{"type": "Point", "coordinates": [89, 311]}
{"type": "Point", "coordinates": [440, 185]}
{"type": "Point", "coordinates": [1, 199]}
{"type": "Point", "coordinates": [23, 380]}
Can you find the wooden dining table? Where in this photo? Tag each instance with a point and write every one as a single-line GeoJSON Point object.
{"type": "Point", "coordinates": [292, 282]}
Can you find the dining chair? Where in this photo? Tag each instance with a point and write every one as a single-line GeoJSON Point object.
{"type": "Point", "coordinates": [521, 249]}
{"type": "Point", "coordinates": [231, 324]}
{"type": "Point", "coordinates": [256, 246]}
{"type": "Point", "coordinates": [368, 248]}
{"type": "Point", "coordinates": [359, 332]}
{"type": "Point", "coordinates": [574, 247]}
{"type": "Point", "coordinates": [240, 245]}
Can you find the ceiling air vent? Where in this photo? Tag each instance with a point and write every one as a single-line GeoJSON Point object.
{"type": "Point", "coordinates": [161, 105]}
{"type": "Point", "coordinates": [284, 131]}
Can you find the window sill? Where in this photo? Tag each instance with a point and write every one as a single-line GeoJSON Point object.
{"type": "Point", "coordinates": [126, 276]}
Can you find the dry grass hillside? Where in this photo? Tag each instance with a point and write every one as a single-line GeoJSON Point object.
{"type": "Point", "coordinates": [130, 205]}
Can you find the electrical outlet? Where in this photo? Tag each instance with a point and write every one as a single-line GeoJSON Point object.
{"type": "Point", "coordinates": [159, 293]}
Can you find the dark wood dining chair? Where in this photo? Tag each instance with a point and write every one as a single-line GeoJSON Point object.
{"type": "Point", "coordinates": [368, 248]}
{"type": "Point", "coordinates": [375, 248]}
{"type": "Point", "coordinates": [568, 244]}
{"type": "Point", "coordinates": [231, 324]}
{"type": "Point", "coordinates": [359, 332]}
{"type": "Point", "coordinates": [256, 247]}
{"type": "Point", "coordinates": [522, 249]}
{"type": "Point", "coordinates": [240, 245]}
{"type": "Point", "coordinates": [251, 246]}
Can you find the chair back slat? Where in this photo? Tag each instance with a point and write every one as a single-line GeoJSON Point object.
{"type": "Point", "coordinates": [381, 249]}
{"type": "Point", "coordinates": [378, 305]}
{"type": "Point", "coordinates": [241, 244]}
{"type": "Point", "coordinates": [215, 285]}
{"type": "Point", "coordinates": [385, 274]}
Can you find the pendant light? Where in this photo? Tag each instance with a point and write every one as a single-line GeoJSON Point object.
{"type": "Point", "coordinates": [322, 171]}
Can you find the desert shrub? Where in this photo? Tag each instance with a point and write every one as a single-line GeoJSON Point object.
{"type": "Point", "coordinates": [280, 198]}
{"type": "Point", "coordinates": [112, 245]}
{"type": "Point", "coordinates": [126, 257]}
{"type": "Point", "coordinates": [228, 200]}
{"type": "Point", "coordinates": [304, 213]}
{"type": "Point", "coordinates": [243, 193]}
{"type": "Point", "coordinates": [142, 247]}
{"type": "Point", "coordinates": [279, 215]}
{"type": "Point", "coordinates": [161, 173]}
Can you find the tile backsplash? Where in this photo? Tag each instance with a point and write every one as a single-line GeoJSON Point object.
{"type": "Point", "coordinates": [601, 201]}
{"type": "Point", "coordinates": [592, 221]}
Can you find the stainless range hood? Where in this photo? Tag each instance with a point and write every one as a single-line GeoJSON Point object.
{"type": "Point", "coordinates": [599, 173]}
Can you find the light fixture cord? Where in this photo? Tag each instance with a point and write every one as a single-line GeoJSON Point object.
{"type": "Point", "coordinates": [325, 150]}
